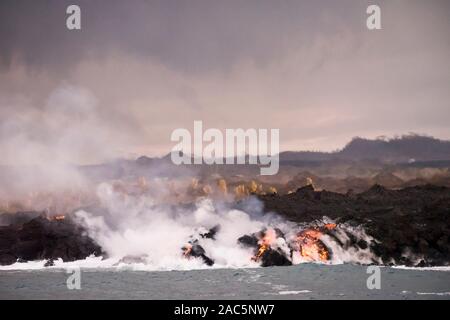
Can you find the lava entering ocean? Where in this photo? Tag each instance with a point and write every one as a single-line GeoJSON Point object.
{"type": "Point", "coordinates": [125, 227]}
{"type": "Point", "coordinates": [265, 243]}
{"type": "Point", "coordinates": [311, 248]}
{"type": "Point", "coordinates": [272, 247]}
{"type": "Point", "coordinates": [213, 233]}
{"type": "Point", "coordinates": [306, 243]}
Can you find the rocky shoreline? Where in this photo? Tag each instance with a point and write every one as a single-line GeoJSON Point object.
{"type": "Point", "coordinates": [44, 239]}
{"type": "Point", "coordinates": [410, 226]}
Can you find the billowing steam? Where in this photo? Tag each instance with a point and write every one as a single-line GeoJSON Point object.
{"type": "Point", "coordinates": [136, 229]}
{"type": "Point", "coordinates": [135, 226]}
{"type": "Point", "coordinates": [44, 143]}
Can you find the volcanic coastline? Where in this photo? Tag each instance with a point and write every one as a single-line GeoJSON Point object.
{"type": "Point", "coordinates": [409, 226]}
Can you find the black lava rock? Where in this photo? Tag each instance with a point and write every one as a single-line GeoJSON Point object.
{"type": "Point", "coordinates": [41, 239]}
{"type": "Point", "coordinates": [272, 257]}
{"type": "Point", "coordinates": [211, 234]}
{"type": "Point", "coordinates": [248, 241]}
{"type": "Point", "coordinates": [406, 223]}
{"type": "Point", "coordinates": [197, 251]}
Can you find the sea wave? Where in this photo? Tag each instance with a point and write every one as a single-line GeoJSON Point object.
{"type": "Point", "coordinates": [100, 263]}
{"type": "Point", "coordinates": [435, 268]}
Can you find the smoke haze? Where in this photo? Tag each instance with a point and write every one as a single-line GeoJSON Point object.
{"type": "Point", "coordinates": [137, 71]}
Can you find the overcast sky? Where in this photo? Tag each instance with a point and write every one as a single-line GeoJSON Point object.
{"type": "Point", "coordinates": [139, 69]}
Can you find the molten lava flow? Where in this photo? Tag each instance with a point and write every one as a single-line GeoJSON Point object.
{"type": "Point", "coordinates": [253, 187]}
{"type": "Point", "coordinates": [262, 248]}
{"type": "Point", "coordinates": [240, 191]}
{"type": "Point", "coordinates": [222, 184]}
{"type": "Point", "coordinates": [267, 240]}
{"type": "Point", "coordinates": [311, 247]}
{"type": "Point", "coordinates": [187, 250]}
{"type": "Point", "coordinates": [272, 190]}
{"type": "Point", "coordinates": [207, 189]}
{"type": "Point", "coordinates": [59, 217]}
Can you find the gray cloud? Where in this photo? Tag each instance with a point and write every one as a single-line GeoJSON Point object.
{"type": "Point", "coordinates": [139, 69]}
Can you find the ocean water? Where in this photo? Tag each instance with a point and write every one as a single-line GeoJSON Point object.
{"type": "Point", "coordinates": [303, 281]}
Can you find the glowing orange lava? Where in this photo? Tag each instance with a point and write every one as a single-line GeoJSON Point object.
{"type": "Point", "coordinates": [311, 247]}
{"type": "Point", "coordinates": [187, 250]}
{"type": "Point", "coordinates": [267, 240]}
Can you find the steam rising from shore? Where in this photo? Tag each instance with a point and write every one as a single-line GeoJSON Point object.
{"type": "Point", "coordinates": [136, 230]}
{"type": "Point", "coordinates": [42, 146]}
{"type": "Point", "coordinates": [135, 226]}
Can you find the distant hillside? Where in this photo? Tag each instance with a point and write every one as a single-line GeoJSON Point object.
{"type": "Point", "coordinates": [397, 150]}
{"type": "Point", "coordinates": [409, 150]}
{"type": "Point", "coordinates": [377, 158]}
